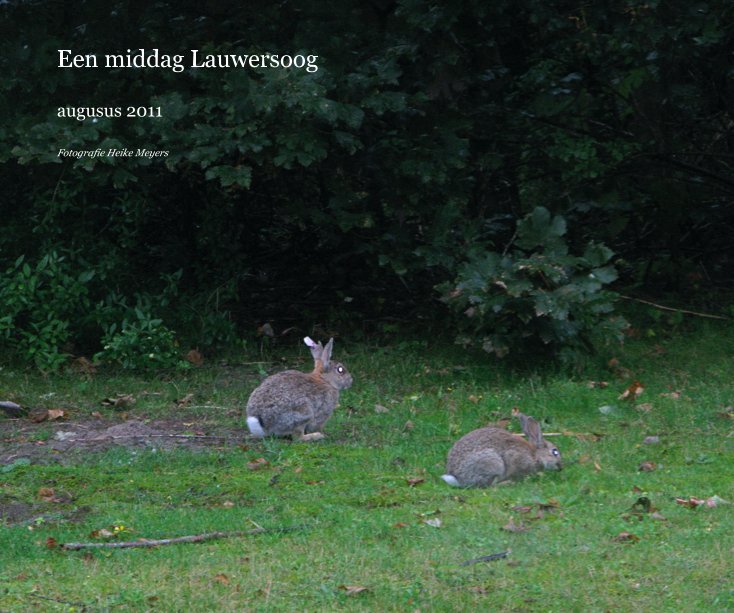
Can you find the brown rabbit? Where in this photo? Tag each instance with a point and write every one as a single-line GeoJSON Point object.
{"type": "Point", "coordinates": [298, 404]}
{"type": "Point", "coordinates": [488, 456]}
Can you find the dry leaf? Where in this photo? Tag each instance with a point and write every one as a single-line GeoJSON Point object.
{"type": "Point", "coordinates": [511, 526]}
{"type": "Point", "coordinates": [194, 357]}
{"type": "Point", "coordinates": [651, 440]}
{"type": "Point", "coordinates": [473, 398]}
{"type": "Point", "coordinates": [400, 524]}
{"type": "Point", "coordinates": [47, 494]}
{"type": "Point", "coordinates": [257, 464]}
{"type": "Point", "coordinates": [633, 392]}
{"type": "Point", "coordinates": [658, 517]}
{"type": "Point", "coordinates": [102, 533]}
{"type": "Point", "coordinates": [51, 542]}
{"type": "Point", "coordinates": [626, 537]}
{"type": "Point", "coordinates": [222, 579]}
{"type": "Point", "coordinates": [597, 467]}
{"type": "Point", "coordinates": [413, 481]}
{"type": "Point", "coordinates": [315, 482]}
{"type": "Point", "coordinates": [353, 590]}
{"type": "Point", "coordinates": [551, 505]}
{"type": "Point", "coordinates": [478, 589]}
{"type": "Point", "coordinates": [647, 467]}
{"type": "Point", "coordinates": [645, 407]}
{"type": "Point", "coordinates": [673, 395]}
{"type": "Point", "coordinates": [56, 414]}
{"type": "Point", "coordinates": [121, 401]}
{"type": "Point", "coordinates": [182, 402]}
{"type": "Point", "coordinates": [228, 504]}
{"type": "Point", "coordinates": [381, 409]}
{"type": "Point", "coordinates": [522, 508]}
{"type": "Point", "coordinates": [84, 366]}
{"type": "Point", "coordinates": [597, 384]}
{"type": "Point", "coordinates": [408, 425]}
{"type": "Point", "coordinates": [434, 522]}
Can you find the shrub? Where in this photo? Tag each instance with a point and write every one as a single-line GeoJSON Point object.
{"type": "Point", "coordinates": [536, 293]}
{"type": "Point", "coordinates": [42, 302]}
{"type": "Point", "coordinates": [144, 343]}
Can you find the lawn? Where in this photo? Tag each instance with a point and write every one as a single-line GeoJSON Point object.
{"type": "Point", "coordinates": [362, 520]}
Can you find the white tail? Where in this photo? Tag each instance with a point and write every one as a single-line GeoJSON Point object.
{"type": "Point", "coordinates": [451, 480]}
{"type": "Point", "coordinates": [253, 423]}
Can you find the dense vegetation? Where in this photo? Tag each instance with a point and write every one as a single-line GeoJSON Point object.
{"type": "Point", "coordinates": [392, 182]}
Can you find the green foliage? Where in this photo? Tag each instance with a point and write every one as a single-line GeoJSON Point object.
{"type": "Point", "coordinates": [427, 132]}
{"type": "Point", "coordinates": [42, 302]}
{"type": "Point", "coordinates": [536, 293]}
{"type": "Point", "coordinates": [143, 343]}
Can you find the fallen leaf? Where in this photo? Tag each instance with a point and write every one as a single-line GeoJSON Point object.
{"type": "Point", "coordinates": [353, 590]}
{"type": "Point", "coordinates": [257, 464]}
{"type": "Point", "coordinates": [511, 526]}
{"type": "Point", "coordinates": [222, 579]}
{"type": "Point", "coordinates": [121, 401]}
{"type": "Point", "coordinates": [658, 517]}
{"type": "Point", "coordinates": [522, 508]}
{"type": "Point", "coordinates": [478, 589]}
{"type": "Point", "coordinates": [228, 504]}
{"type": "Point", "coordinates": [56, 414]}
{"type": "Point", "coordinates": [633, 392]}
{"type": "Point", "coordinates": [47, 494]}
{"type": "Point", "coordinates": [194, 357]}
{"type": "Point", "coordinates": [51, 542]}
{"type": "Point", "coordinates": [673, 395]}
{"type": "Point", "coordinates": [38, 415]}
{"type": "Point", "coordinates": [97, 415]}
{"type": "Point", "coordinates": [413, 481]}
{"type": "Point", "coordinates": [102, 533]}
{"type": "Point", "coordinates": [182, 402]}
{"type": "Point", "coordinates": [551, 505]}
{"type": "Point", "coordinates": [645, 407]}
{"type": "Point", "coordinates": [84, 366]}
{"type": "Point", "coordinates": [434, 522]}
{"type": "Point", "coordinates": [651, 440]}
{"type": "Point", "coordinates": [646, 467]}
{"type": "Point", "coordinates": [597, 467]}
{"type": "Point", "coordinates": [597, 384]}
{"type": "Point", "coordinates": [381, 409]}
{"type": "Point", "coordinates": [315, 482]}
{"type": "Point", "coordinates": [626, 537]}
{"type": "Point", "coordinates": [728, 412]}
{"type": "Point", "coordinates": [400, 524]}
{"type": "Point", "coordinates": [408, 425]}
{"type": "Point", "coordinates": [473, 398]}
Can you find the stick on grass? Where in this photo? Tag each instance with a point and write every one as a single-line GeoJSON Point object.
{"type": "Point", "coordinates": [193, 538]}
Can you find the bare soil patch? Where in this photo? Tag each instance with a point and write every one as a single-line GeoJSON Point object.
{"type": "Point", "coordinates": [68, 442]}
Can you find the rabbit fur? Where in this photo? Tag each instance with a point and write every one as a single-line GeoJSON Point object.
{"type": "Point", "coordinates": [487, 456]}
{"type": "Point", "coordinates": [298, 404]}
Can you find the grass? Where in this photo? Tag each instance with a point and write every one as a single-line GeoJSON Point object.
{"type": "Point", "coordinates": [360, 521]}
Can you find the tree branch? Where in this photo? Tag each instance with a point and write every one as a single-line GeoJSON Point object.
{"type": "Point", "coordinates": [195, 538]}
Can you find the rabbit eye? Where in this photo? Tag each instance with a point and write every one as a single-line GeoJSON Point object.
{"type": "Point", "coordinates": [555, 451]}
{"type": "Point", "coordinates": [340, 369]}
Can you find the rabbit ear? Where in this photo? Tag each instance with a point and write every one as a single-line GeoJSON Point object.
{"type": "Point", "coordinates": [532, 429]}
{"type": "Point", "coordinates": [326, 353]}
{"type": "Point", "coordinates": [316, 348]}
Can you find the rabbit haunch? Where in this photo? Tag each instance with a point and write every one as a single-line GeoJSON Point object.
{"type": "Point", "coordinates": [298, 404]}
{"type": "Point", "coordinates": [488, 456]}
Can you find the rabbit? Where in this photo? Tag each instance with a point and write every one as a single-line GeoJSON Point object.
{"type": "Point", "coordinates": [298, 404]}
{"type": "Point", "coordinates": [487, 456]}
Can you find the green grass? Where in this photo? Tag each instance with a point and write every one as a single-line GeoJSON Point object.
{"type": "Point", "coordinates": [361, 523]}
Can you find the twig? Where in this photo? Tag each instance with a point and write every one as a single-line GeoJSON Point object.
{"type": "Point", "coordinates": [195, 538]}
{"type": "Point", "coordinates": [489, 558]}
{"type": "Point", "coordinates": [103, 437]}
{"type": "Point", "coordinates": [667, 308]}
{"type": "Point", "coordinates": [66, 602]}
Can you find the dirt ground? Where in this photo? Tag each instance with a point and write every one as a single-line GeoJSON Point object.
{"type": "Point", "coordinates": [67, 442]}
